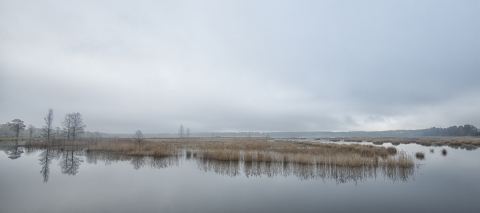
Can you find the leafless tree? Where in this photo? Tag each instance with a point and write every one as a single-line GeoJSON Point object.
{"type": "Point", "coordinates": [31, 130]}
{"type": "Point", "coordinates": [16, 126]}
{"type": "Point", "coordinates": [59, 134]}
{"type": "Point", "coordinates": [77, 126]}
{"type": "Point", "coordinates": [48, 128]}
{"type": "Point", "coordinates": [187, 133]}
{"type": "Point", "coordinates": [181, 131]}
{"type": "Point", "coordinates": [95, 137]}
{"type": "Point", "coordinates": [67, 124]}
{"type": "Point", "coordinates": [138, 136]}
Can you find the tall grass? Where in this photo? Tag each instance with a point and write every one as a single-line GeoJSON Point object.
{"type": "Point", "coordinates": [260, 150]}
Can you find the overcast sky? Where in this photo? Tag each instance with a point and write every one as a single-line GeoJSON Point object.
{"type": "Point", "coordinates": [241, 65]}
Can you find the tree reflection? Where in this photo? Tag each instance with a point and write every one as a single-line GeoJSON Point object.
{"type": "Point", "coordinates": [14, 152]}
{"type": "Point", "coordinates": [70, 162]}
{"type": "Point", "coordinates": [46, 158]}
{"type": "Point", "coordinates": [137, 162]}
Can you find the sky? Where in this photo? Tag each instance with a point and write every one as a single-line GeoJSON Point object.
{"type": "Point", "coordinates": [241, 65]}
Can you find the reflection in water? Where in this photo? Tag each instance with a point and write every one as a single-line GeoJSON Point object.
{"type": "Point", "coordinates": [340, 174]}
{"type": "Point", "coordinates": [71, 158]}
{"type": "Point", "coordinates": [14, 152]}
{"type": "Point", "coordinates": [70, 161]}
{"type": "Point", "coordinates": [46, 158]}
{"type": "Point", "coordinates": [137, 161]}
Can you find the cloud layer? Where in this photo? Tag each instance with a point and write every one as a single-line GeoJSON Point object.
{"type": "Point", "coordinates": [241, 66]}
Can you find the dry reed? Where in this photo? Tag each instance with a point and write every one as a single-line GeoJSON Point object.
{"type": "Point", "coordinates": [256, 150]}
{"type": "Point", "coordinates": [420, 155]}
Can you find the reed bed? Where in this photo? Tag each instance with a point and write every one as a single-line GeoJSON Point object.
{"type": "Point", "coordinates": [260, 150]}
{"type": "Point", "coordinates": [420, 155]}
{"type": "Point", "coordinates": [390, 169]}
{"type": "Point", "coordinates": [250, 150]}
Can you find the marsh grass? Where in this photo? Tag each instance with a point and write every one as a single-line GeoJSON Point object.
{"type": "Point", "coordinates": [253, 157]}
{"type": "Point", "coordinates": [251, 150]}
{"type": "Point", "coordinates": [255, 150]}
{"type": "Point", "coordinates": [391, 150]}
{"type": "Point", "coordinates": [432, 150]}
{"type": "Point", "coordinates": [444, 152]}
{"type": "Point", "coordinates": [420, 155]}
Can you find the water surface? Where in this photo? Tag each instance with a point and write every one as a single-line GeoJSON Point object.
{"type": "Point", "coordinates": [71, 180]}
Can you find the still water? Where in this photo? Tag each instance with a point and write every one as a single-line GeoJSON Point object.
{"type": "Point", "coordinates": [71, 180]}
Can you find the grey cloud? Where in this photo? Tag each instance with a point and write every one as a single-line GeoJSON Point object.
{"type": "Point", "coordinates": [241, 66]}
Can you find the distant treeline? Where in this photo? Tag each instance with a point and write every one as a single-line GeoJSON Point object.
{"type": "Point", "coordinates": [465, 130]}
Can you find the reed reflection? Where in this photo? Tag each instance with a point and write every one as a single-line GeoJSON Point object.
{"type": "Point", "coordinates": [137, 161]}
{"type": "Point", "coordinates": [339, 174]}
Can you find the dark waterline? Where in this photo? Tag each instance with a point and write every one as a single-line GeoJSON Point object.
{"type": "Point", "coordinates": [74, 181]}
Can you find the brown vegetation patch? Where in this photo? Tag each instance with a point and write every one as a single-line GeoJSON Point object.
{"type": "Point", "coordinates": [420, 155]}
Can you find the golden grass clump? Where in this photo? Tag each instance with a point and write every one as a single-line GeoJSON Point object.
{"type": "Point", "coordinates": [420, 155]}
{"type": "Point", "coordinates": [391, 150]}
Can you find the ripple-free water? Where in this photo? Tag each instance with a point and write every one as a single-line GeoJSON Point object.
{"type": "Point", "coordinates": [74, 181]}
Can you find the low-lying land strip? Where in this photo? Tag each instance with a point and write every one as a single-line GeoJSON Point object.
{"type": "Point", "coordinates": [428, 141]}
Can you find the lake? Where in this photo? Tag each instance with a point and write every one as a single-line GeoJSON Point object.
{"type": "Point", "coordinates": [71, 180]}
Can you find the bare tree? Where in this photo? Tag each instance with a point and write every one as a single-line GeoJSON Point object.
{"type": "Point", "coordinates": [77, 126]}
{"type": "Point", "coordinates": [138, 136]}
{"type": "Point", "coordinates": [58, 133]}
{"type": "Point", "coordinates": [95, 137]}
{"type": "Point", "coordinates": [181, 131]}
{"type": "Point", "coordinates": [67, 124]}
{"type": "Point", "coordinates": [16, 126]}
{"type": "Point", "coordinates": [31, 130]}
{"type": "Point", "coordinates": [187, 132]}
{"type": "Point", "coordinates": [48, 128]}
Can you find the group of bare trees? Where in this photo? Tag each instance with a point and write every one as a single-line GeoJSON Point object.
{"type": "Point", "coordinates": [73, 126]}
{"type": "Point", "coordinates": [182, 132]}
